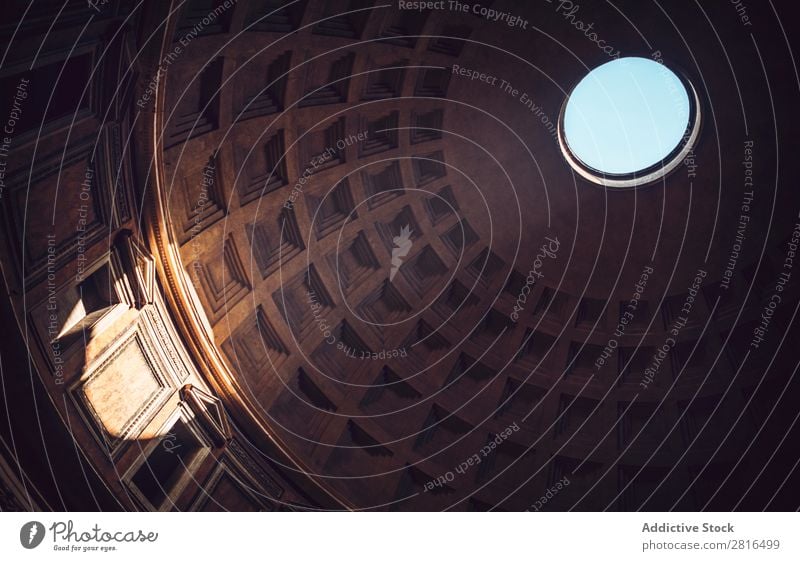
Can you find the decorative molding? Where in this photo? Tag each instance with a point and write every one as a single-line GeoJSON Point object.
{"type": "Point", "coordinates": [427, 126]}
{"type": "Point", "coordinates": [266, 481]}
{"type": "Point", "coordinates": [31, 200]}
{"type": "Point", "coordinates": [202, 199]}
{"type": "Point", "coordinates": [353, 264]}
{"type": "Point", "coordinates": [255, 345]}
{"type": "Point", "coordinates": [121, 176]}
{"type": "Point", "coordinates": [441, 205]}
{"type": "Point", "coordinates": [455, 299]}
{"type": "Point", "coordinates": [207, 410]}
{"type": "Point", "coordinates": [389, 230]}
{"type": "Point", "coordinates": [180, 437]}
{"type": "Point", "coordinates": [330, 210]}
{"type": "Point", "coordinates": [131, 261]}
{"type": "Point", "coordinates": [432, 82]}
{"type": "Point", "coordinates": [263, 170]}
{"type": "Point", "coordinates": [197, 112]}
{"type": "Point", "coordinates": [428, 167]}
{"type": "Point", "coordinates": [189, 316]}
{"type": "Point", "coordinates": [423, 269]}
{"type": "Point", "coordinates": [274, 16]}
{"type": "Point", "coordinates": [227, 470]}
{"type": "Point", "coordinates": [194, 16]}
{"type": "Point", "coordinates": [459, 237]}
{"type": "Point", "coordinates": [382, 134]}
{"type": "Point", "coordinates": [131, 359]}
{"type": "Point", "coordinates": [384, 82]}
{"type": "Point", "coordinates": [402, 27]}
{"type": "Point", "coordinates": [450, 40]}
{"type": "Point", "coordinates": [152, 320]}
{"type": "Point", "coordinates": [275, 241]}
{"type": "Point", "coordinates": [343, 18]}
{"type": "Point", "coordinates": [332, 90]}
{"type": "Point", "coordinates": [269, 95]}
{"type": "Point", "coordinates": [319, 148]}
{"type": "Point", "coordinates": [223, 279]}
{"type": "Point", "coordinates": [486, 266]}
{"type": "Point", "coordinates": [295, 298]}
{"type": "Point", "coordinates": [384, 305]}
{"type": "Point", "coordinates": [383, 185]}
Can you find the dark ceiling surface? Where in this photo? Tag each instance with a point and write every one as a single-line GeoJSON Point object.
{"type": "Point", "coordinates": [413, 292]}
{"type": "Point", "coordinates": [531, 307]}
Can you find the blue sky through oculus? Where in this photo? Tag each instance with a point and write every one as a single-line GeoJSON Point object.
{"type": "Point", "coordinates": [626, 115]}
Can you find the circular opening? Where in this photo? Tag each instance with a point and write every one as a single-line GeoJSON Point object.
{"type": "Point", "coordinates": [629, 122]}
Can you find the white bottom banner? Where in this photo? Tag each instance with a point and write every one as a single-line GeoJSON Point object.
{"type": "Point", "coordinates": [371, 536]}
